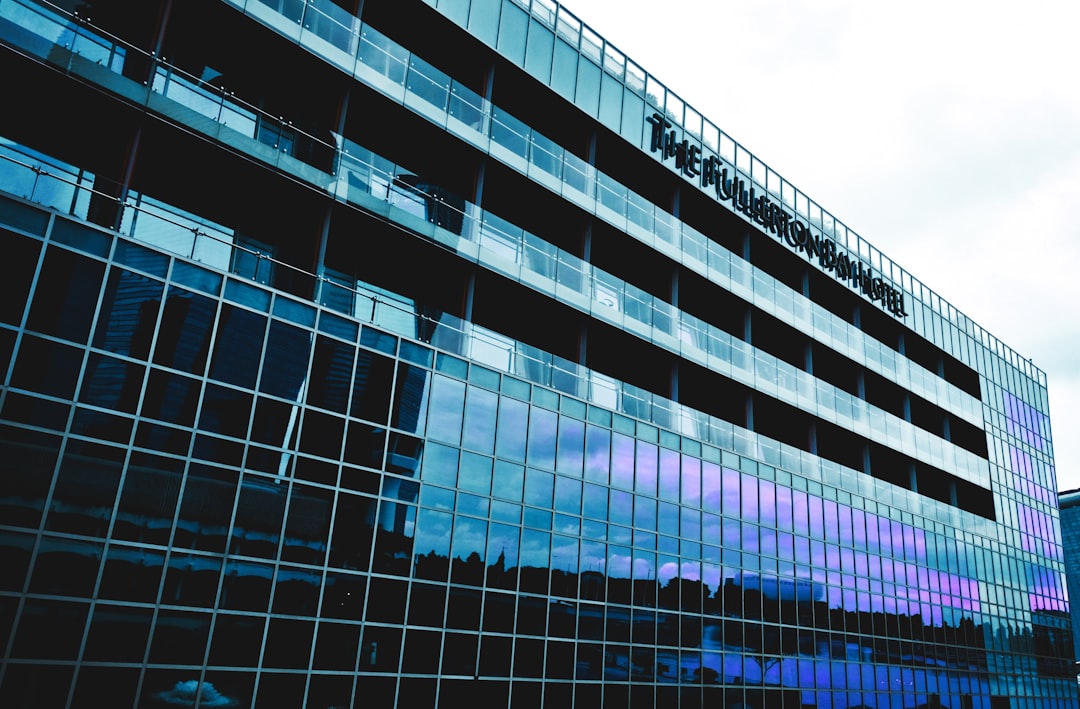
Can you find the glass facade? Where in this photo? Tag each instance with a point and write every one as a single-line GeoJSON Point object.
{"type": "Point", "coordinates": [389, 388]}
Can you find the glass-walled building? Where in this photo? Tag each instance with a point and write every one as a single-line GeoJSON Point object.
{"type": "Point", "coordinates": [429, 353]}
{"type": "Point", "coordinates": [1069, 504]}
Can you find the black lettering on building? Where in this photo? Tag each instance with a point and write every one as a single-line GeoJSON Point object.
{"type": "Point", "coordinates": [772, 217]}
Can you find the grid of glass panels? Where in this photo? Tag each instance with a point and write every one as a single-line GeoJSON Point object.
{"type": "Point", "coordinates": [626, 94]}
{"type": "Point", "coordinates": [403, 69]}
{"type": "Point", "coordinates": [214, 489]}
{"type": "Point", "coordinates": [1031, 597]}
{"type": "Point", "coordinates": [57, 185]}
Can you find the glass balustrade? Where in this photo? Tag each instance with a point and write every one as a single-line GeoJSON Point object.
{"type": "Point", "coordinates": [186, 235]}
{"type": "Point", "coordinates": [614, 201]}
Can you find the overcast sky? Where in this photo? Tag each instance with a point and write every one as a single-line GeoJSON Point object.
{"type": "Point", "coordinates": [945, 133]}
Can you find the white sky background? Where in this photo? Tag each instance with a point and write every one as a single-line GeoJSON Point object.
{"type": "Point", "coordinates": [947, 133]}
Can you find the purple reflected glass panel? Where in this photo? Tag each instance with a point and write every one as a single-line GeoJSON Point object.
{"type": "Point", "coordinates": [513, 426]}
{"type": "Point", "coordinates": [446, 409]}
{"type": "Point", "coordinates": [785, 546]}
{"type": "Point", "coordinates": [647, 466]}
{"type": "Point", "coordinates": [691, 480]}
{"type": "Point", "coordinates": [800, 513]}
{"type": "Point", "coordinates": [621, 509]}
{"type": "Point", "coordinates": [914, 545]}
{"type": "Point", "coordinates": [767, 510]}
{"type": "Point", "coordinates": [731, 500]}
{"type": "Point", "coordinates": [571, 450]}
{"type": "Point", "coordinates": [670, 476]}
{"type": "Point", "coordinates": [711, 477]}
{"type": "Point", "coordinates": [690, 524]}
{"type": "Point", "coordinates": [844, 525]}
{"type": "Point", "coordinates": [817, 523]}
{"type": "Point", "coordinates": [542, 437]}
{"type": "Point", "coordinates": [858, 529]}
{"type": "Point", "coordinates": [481, 407]}
{"type": "Point", "coordinates": [597, 454]}
{"type": "Point", "coordinates": [567, 495]}
{"type": "Point", "coordinates": [622, 461]}
{"type": "Point", "coordinates": [829, 512]}
{"type": "Point", "coordinates": [644, 512]}
{"type": "Point", "coordinates": [750, 541]}
{"type": "Point", "coordinates": [749, 497]}
{"type": "Point", "coordinates": [885, 539]}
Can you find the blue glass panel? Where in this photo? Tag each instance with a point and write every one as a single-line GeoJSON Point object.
{"type": "Point", "coordinates": [564, 70]}
{"type": "Point", "coordinates": [567, 495]}
{"type": "Point", "coordinates": [259, 514]}
{"type": "Point", "coordinates": [481, 407]}
{"type": "Point", "coordinates": [633, 118]}
{"type": "Point", "coordinates": [644, 512]}
{"type": "Point", "coordinates": [440, 498]}
{"type": "Point", "coordinates": [238, 346]}
{"type": "Point", "coordinates": [139, 257]}
{"type": "Point", "coordinates": [621, 509]}
{"type": "Point", "coordinates": [440, 465]}
{"type": "Point", "coordinates": [597, 454]}
{"type": "Point", "coordinates": [191, 580]}
{"type": "Point", "coordinates": [611, 94]}
{"type": "Point", "coordinates": [171, 397]}
{"type": "Point", "coordinates": [535, 561]}
{"type": "Point", "coordinates": [800, 513]}
{"type": "Point", "coordinates": [539, 488]}
{"type": "Point", "coordinates": [513, 25]}
{"type": "Point", "coordinates": [183, 337]}
{"type": "Point", "coordinates": [767, 503]}
{"type": "Point", "coordinates": [71, 283]}
{"type": "Point", "coordinates": [111, 383]}
{"type": "Point", "coordinates": [446, 409]}
{"type": "Point", "coordinates": [542, 438]}
{"type": "Point", "coordinates": [431, 544]}
{"type": "Point", "coordinates": [378, 340]}
{"type": "Point", "coordinates": [350, 542]}
{"type": "Point", "coordinates": [331, 374]}
{"type": "Point", "coordinates": [513, 430]}
{"type": "Point", "coordinates": [484, 22]}
{"type": "Point", "coordinates": [538, 51]}
{"type": "Point", "coordinates": [668, 476]}
{"type": "Point", "coordinates": [22, 216]}
{"type": "Point", "coordinates": [394, 538]}
{"type": "Point", "coordinates": [246, 586]}
{"type": "Point", "coordinates": [475, 473]}
{"type": "Point", "coordinates": [622, 461]}
{"type": "Point", "coordinates": [372, 388]}
{"type": "Point", "coordinates": [468, 551]}
{"type": "Point", "coordinates": [82, 237]}
{"type": "Point", "coordinates": [128, 313]}
{"type": "Point", "coordinates": [85, 489]}
{"type": "Point", "coordinates": [195, 277]}
{"type": "Point", "coordinates": [508, 480]}
{"type": "Point", "coordinates": [65, 567]}
{"type": "Point", "coordinates": [307, 525]}
{"type": "Point", "coordinates": [45, 366]}
{"type": "Point", "coordinates": [50, 630]}
{"type": "Point", "coordinates": [247, 294]}
{"type": "Point", "coordinates": [564, 565]}
{"type": "Point", "coordinates": [571, 446]}
{"type": "Point", "coordinates": [21, 254]}
{"type": "Point", "coordinates": [587, 95]}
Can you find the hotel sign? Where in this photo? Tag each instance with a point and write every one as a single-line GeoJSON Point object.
{"type": "Point", "coordinates": [722, 179]}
